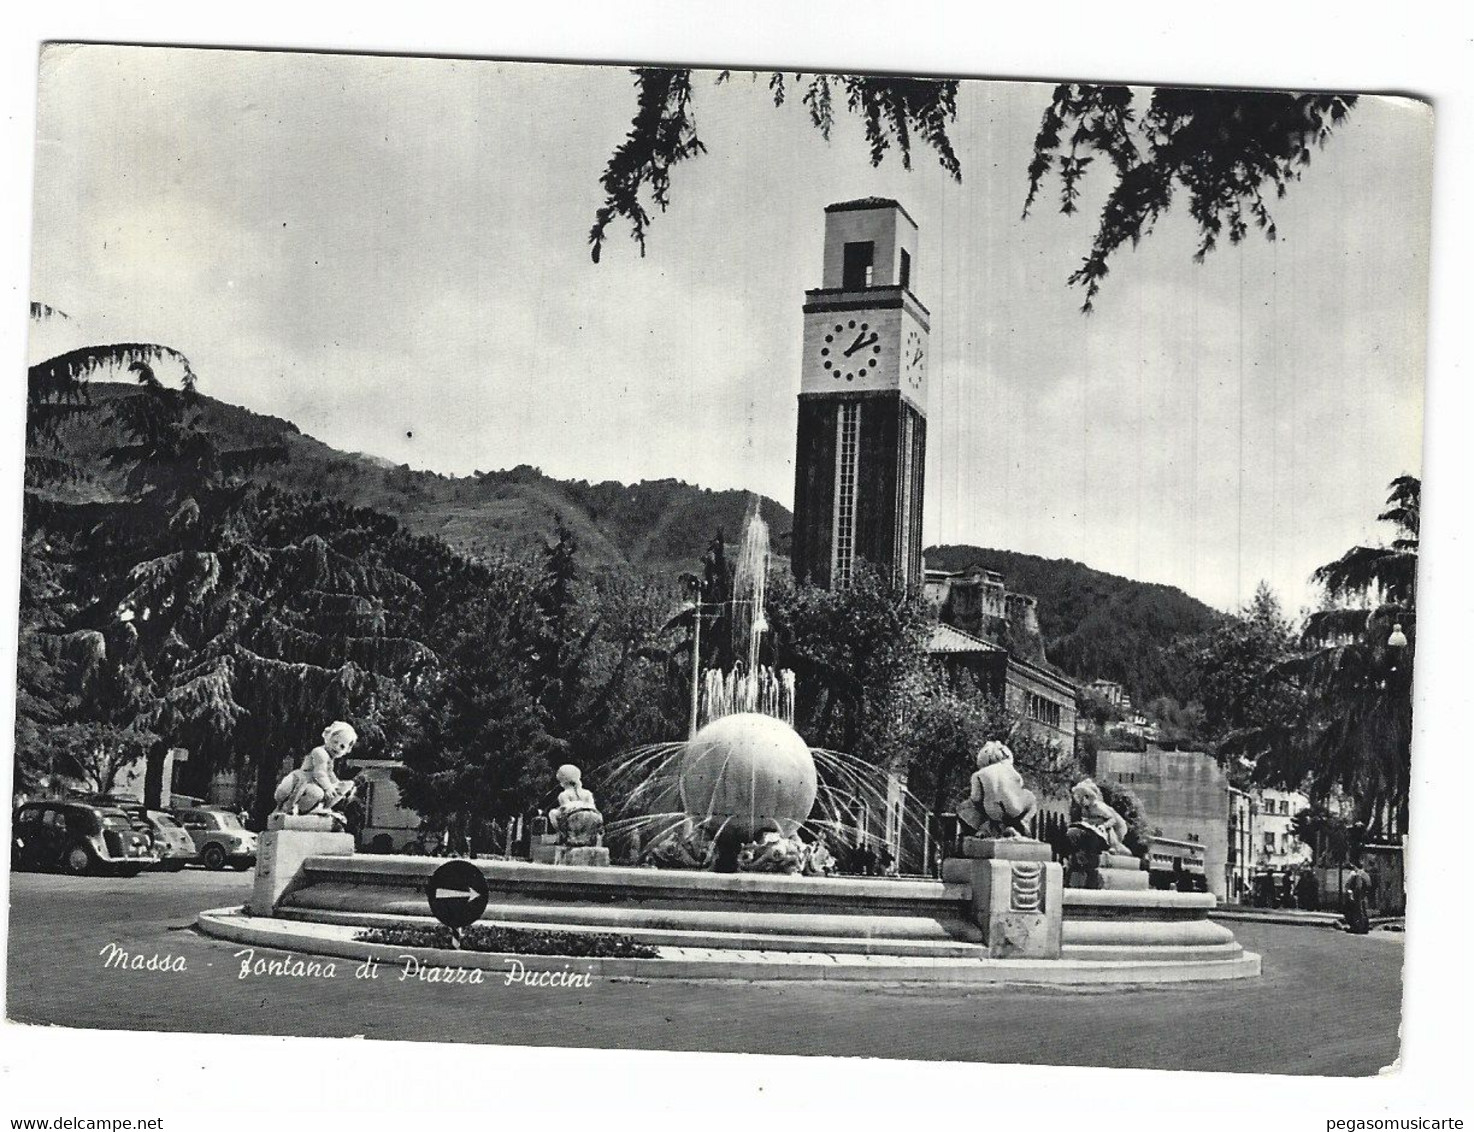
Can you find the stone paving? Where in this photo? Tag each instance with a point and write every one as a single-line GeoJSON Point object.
{"type": "Point", "coordinates": [1328, 1003]}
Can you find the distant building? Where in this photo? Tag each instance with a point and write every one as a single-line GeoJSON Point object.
{"type": "Point", "coordinates": [1276, 845]}
{"type": "Point", "coordinates": [1243, 849]}
{"type": "Point", "coordinates": [977, 602]}
{"type": "Point", "coordinates": [1112, 693]}
{"type": "Point", "coordinates": [1043, 699]}
{"type": "Point", "coordinates": [1185, 795]}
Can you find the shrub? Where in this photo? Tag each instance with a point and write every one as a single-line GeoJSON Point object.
{"type": "Point", "coordinates": [515, 941]}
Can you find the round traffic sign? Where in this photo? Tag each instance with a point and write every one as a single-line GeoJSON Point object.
{"type": "Point", "coordinates": [457, 892]}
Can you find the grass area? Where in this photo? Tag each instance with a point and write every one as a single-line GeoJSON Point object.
{"type": "Point", "coordinates": [515, 941]}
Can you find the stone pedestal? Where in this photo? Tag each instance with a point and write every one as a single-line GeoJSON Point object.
{"type": "Point", "coordinates": [1116, 872]}
{"type": "Point", "coordinates": [281, 850]}
{"type": "Point", "coordinates": [581, 855]}
{"type": "Point", "coordinates": [1017, 895]}
{"type": "Point", "coordinates": [312, 823]}
{"type": "Point", "coordinates": [547, 851]}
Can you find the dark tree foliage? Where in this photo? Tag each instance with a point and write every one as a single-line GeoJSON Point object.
{"type": "Point", "coordinates": [1232, 671]}
{"type": "Point", "coordinates": [895, 111]}
{"type": "Point", "coordinates": [173, 603]}
{"type": "Point", "coordinates": [1349, 729]}
{"type": "Point", "coordinates": [57, 387]}
{"type": "Point", "coordinates": [1335, 839]}
{"type": "Point", "coordinates": [481, 744]}
{"type": "Point", "coordinates": [858, 655]}
{"type": "Point", "coordinates": [1230, 151]}
{"type": "Point", "coordinates": [1227, 149]}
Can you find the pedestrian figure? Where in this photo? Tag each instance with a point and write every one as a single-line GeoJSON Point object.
{"type": "Point", "coordinates": [1358, 888]}
{"type": "Point", "coordinates": [1307, 891]}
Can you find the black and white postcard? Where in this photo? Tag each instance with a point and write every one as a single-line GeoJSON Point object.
{"type": "Point", "coordinates": [833, 563]}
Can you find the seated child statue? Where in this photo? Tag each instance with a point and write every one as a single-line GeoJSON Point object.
{"type": "Point", "coordinates": [314, 787]}
{"type": "Point", "coordinates": [999, 804]}
{"type": "Point", "coordinates": [1096, 829]}
{"type": "Point", "coordinates": [576, 819]}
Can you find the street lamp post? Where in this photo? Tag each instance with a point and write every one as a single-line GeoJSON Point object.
{"type": "Point", "coordinates": [694, 581]}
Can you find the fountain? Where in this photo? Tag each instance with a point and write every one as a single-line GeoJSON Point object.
{"type": "Point", "coordinates": [744, 792]}
{"type": "Point", "coordinates": [732, 812]}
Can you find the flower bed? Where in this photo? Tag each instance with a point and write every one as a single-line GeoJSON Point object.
{"type": "Point", "coordinates": [515, 941]}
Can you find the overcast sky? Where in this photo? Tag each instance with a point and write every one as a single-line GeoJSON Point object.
{"type": "Point", "coordinates": [392, 253]}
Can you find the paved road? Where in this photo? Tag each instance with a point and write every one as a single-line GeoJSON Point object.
{"type": "Point", "coordinates": [1328, 1003]}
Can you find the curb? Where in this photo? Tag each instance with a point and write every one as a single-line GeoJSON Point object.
{"type": "Point", "coordinates": [1300, 919]}
{"type": "Point", "coordinates": [692, 964]}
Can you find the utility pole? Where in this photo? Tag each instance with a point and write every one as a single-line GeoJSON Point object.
{"type": "Point", "coordinates": [696, 663]}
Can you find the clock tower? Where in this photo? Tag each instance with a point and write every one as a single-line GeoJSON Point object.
{"type": "Point", "coordinates": [861, 458]}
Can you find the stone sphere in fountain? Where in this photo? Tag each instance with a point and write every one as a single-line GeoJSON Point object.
{"type": "Point", "coordinates": [752, 772]}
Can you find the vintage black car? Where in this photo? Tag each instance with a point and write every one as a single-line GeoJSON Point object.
{"type": "Point", "coordinates": [78, 838]}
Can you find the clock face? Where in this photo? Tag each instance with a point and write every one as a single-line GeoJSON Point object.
{"type": "Point", "coordinates": [850, 350]}
{"type": "Point", "coordinates": [913, 358]}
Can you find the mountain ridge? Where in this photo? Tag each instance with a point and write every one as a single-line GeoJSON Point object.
{"type": "Point", "coordinates": [614, 523]}
{"type": "Point", "coordinates": [1094, 624]}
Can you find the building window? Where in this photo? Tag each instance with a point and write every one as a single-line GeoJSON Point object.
{"type": "Point", "coordinates": [846, 470]}
{"type": "Point", "coordinates": [1269, 842]}
{"type": "Point", "coordinates": [906, 487]}
{"type": "Point", "coordinates": [859, 265]}
{"type": "Point", "coordinates": [905, 268]}
{"type": "Point", "coordinates": [1043, 711]}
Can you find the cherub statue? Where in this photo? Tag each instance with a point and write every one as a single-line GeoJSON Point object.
{"type": "Point", "coordinates": [576, 818]}
{"type": "Point", "coordinates": [999, 804]}
{"type": "Point", "coordinates": [1099, 828]}
{"type": "Point", "coordinates": [313, 788]}
{"type": "Point", "coordinates": [1096, 829]}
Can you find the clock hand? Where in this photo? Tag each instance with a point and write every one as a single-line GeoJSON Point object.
{"type": "Point", "coordinates": [861, 342]}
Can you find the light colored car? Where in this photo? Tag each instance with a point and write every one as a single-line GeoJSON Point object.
{"type": "Point", "coordinates": [218, 836]}
{"type": "Point", "coordinates": [172, 842]}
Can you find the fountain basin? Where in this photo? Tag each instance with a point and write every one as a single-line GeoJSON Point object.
{"type": "Point", "coordinates": [753, 926]}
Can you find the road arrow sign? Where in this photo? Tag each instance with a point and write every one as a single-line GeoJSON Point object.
{"type": "Point", "coordinates": [457, 893]}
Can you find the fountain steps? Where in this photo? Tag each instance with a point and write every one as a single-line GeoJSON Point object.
{"type": "Point", "coordinates": [1182, 953]}
{"type": "Point", "coordinates": [627, 917]}
{"type": "Point", "coordinates": [775, 913]}
{"type": "Point", "coordinates": [365, 880]}
{"type": "Point", "coordinates": [726, 964]}
{"type": "Point", "coordinates": [735, 941]}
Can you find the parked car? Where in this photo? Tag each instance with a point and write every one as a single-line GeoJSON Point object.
{"type": "Point", "coordinates": [218, 836]}
{"type": "Point", "coordinates": [172, 844]}
{"type": "Point", "coordinates": [78, 837]}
